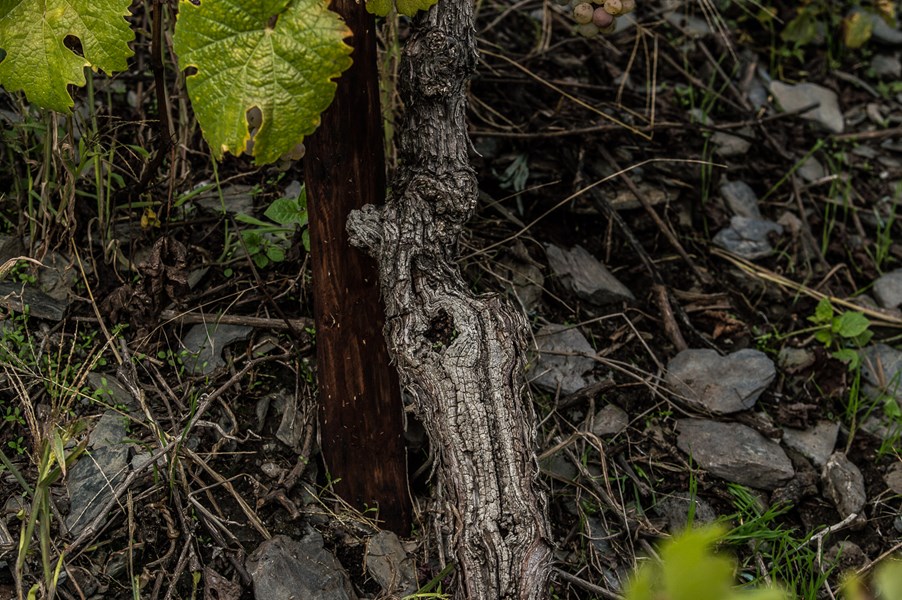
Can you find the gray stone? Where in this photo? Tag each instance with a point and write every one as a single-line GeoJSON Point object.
{"type": "Point", "coordinates": [882, 31]}
{"type": "Point", "coordinates": [881, 368]}
{"type": "Point", "coordinates": [564, 359]}
{"type": "Point", "coordinates": [844, 485]}
{"type": "Point", "coordinates": [91, 482]}
{"type": "Point", "coordinates": [692, 26]}
{"type": "Point", "coordinates": [704, 380]}
{"type": "Point", "coordinates": [389, 565]}
{"type": "Point", "coordinates": [893, 478]}
{"type": "Point", "coordinates": [793, 360]}
{"type": "Point", "coordinates": [675, 510]}
{"type": "Point", "coordinates": [741, 199]}
{"type": "Point", "coordinates": [110, 429]}
{"type": "Point", "coordinates": [109, 391]}
{"type": "Point", "coordinates": [10, 247]}
{"type": "Point", "coordinates": [205, 342]}
{"type": "Point", "coordinates": [815, 443]}
{"type": "Point", "coordinates": [727, 144]}
{"type": "Point", "coordinates": [285, 568]}
{"type": "Point", "coordinates": [735, 452]}
{"type": "Point", "coordinates": [811, 170]}
{"type": "Point", "coordinates": [291, 427]}
{"type": "Point", "coordinates": [749, 238]}
{"type": "Point", "coordinates": [610, 420]}
{"type": "Point", "coordinates": [798, 96]}
{"type": "Point", "coordinates": [558, 466]}
{"type": "Point", "coordinates": [585, 276]}
{"type": "Point", "coordinates": [845, 556]}
{"type": "Point", "coordinates": [16, 296]}
{"type": "Point", "coordinates": [57, 277]}
{"type": "Point", "coordinates": [888, 289]}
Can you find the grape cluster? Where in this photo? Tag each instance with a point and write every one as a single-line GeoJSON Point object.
{"type": "Point", "coordinates": [597, 15]}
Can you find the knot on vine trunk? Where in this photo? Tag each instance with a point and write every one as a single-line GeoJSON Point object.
{"type": "Point", "coordinates": [445, 63]}
{"type": "Point", "coordinates": [365, 229]}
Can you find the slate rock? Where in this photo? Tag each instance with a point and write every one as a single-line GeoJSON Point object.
{"type": "Point", "coordinates": [16, 296]}
{"type": "Point", "coordinates": [815, 443]}
{"type": "Point", "coordinates": [735, 452]}
{"type": "Point", "coordinates": [110, 429]}
{"type": "Point", "coordinates": [57, 277]}
{"type": "Point", "coordinates": [800, 95]}
{"type": "Point", "coordinates": [893, 478]}
{"type": "Point", "coordinates": [881, 368]}
{"type": "Point", "coordinates": [882, 31]}
{"type": "Point", "coordinates": [888, 289]}
{"type": "Point", "coordinates": [389, 565]}
{"type": "Point", "coordinates": [793, 360]}
{"type": "Point", "coordinates": [109, 391]}
{"type": "Point", "coordinates": [610, 420]}
{"type": "Point", "coordinates": [706, 381]}
{"type": "Point", "coordinates": [205, 342]}
{"type": "Point", "coordinates": [886, 66]}
{"type": "Point", "coordinates": [285, 568]}
{"type": "Point", "coordinates": [748, 238]}
{"type": "Point", "coordinates": [844, 485]}
{"type": "Point", "coordinates": [727, 145]}
{"type": "Point", "coordinates": [811, 170]}
{"type": "Point", "coordinates": [91, 482]}
{"type": "Point", "coordinates": [564, 360]}
{"type": "Point", "coordinates": [741, 199]}
{"type": "Point", "coordinates": [846, 556]}
{"type": "Point", "coordinates": [585, 276]}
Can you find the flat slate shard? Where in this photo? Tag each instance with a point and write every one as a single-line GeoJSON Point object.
{"type": "Point", "coordinates": [92, 481]}
{"type": "Point", "coordinates": [585, 276]}
{"type": "Point", "coordinates": [748, 237]}
{"type": "Point", "coordinates": [205, 342]}
{"type": "Point", "coordinates": [798, 96]}
{"type": "Point", "coordinates": [285, 568]}
{"type": "Point", "coordinates": [888, 289]}
{"type": "Point", "coordinates": [815, 443]}
{"type": "Point", "coordinates": [564, 360]}
{"type": "Point", "coordinates": [704, 380]}
{"type": "Point", "coordinates": [735, 452]}
{"type": "Point", "coordinates": [844, 485]}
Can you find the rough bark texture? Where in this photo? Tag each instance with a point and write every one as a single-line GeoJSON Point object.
{"type": "Point", "coordinates": [361, 424]}
{"type": "Point", "coordinates": [460, 356]}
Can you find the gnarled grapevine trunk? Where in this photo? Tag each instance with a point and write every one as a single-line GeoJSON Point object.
{"type": "Point", "coordinates": [461, 356]}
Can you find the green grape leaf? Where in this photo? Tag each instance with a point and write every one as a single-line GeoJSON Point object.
{"type": "Point", "coordinates": [279, 56]}
{"type": "Point", "coordinates": [823, 314]}
{"type": "Point", "coordinates": [37, 61]}
{"type": "Point", "coordinates": [409, 8]}
{"type": "Point", "coordinates": [380, 8]}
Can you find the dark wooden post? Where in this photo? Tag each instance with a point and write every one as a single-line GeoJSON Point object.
{"type": "Point", "coordinates": [361, 418]}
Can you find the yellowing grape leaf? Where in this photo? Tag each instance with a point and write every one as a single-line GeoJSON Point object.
{"type": "Point", "coordinates": [37, 62]}
{"type": "Point", "coordinates": [277, 55]}
{"type": "Point", "coordinates": [857, 29]}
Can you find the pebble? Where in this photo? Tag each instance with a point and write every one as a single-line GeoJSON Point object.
{"type": "Point", "coordinates": [748, 238]}
{"type": "Point", "coordinates": [844, 485]}
{"type": "Point", "coordinates": [893, 478]}
{"type": "Point", "coordinates": [389, 565]}
{"type": "Point", "coordinates": [285, 568]}
{"type": "Point", "coordinates": [735, 452]}
{"type": "Point", "coordinates": [585, 276]}
{"type": "Point", "coordinates": [815, 443]}
{"type": "Point", "coordinates": [886, 66]}
{"type": "Point", "coordinates": [610, 420]}
{"type": "Point", "coordinates": [564, 360]}
{"type": "Point", "coordinates": [205, 343]}
{"type": "Point", "coordinates": [888, 289]}
{"type": "Point", "coordinates": [798, 96]}
{"type": "Point", "coordinates": [706, 381]}
{"type": "Point", "coordinates": [741, 199]}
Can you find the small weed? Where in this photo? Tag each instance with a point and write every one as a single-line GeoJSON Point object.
{"type": "Point", "coordinates": [266, 241]}
{"type": "Point", "coordinates": [845, 334]}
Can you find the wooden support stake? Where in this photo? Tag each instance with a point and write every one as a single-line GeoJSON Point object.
{"type": "Point", "coordinates": [361, 420]}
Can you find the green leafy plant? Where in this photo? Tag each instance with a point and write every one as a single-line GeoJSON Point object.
{"type": "Point", "coordinates": [266, 241]}
{"type": "Point", "coordinates": [690, 570]}
{"type": "Point", "coordinates": [845, 333]}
